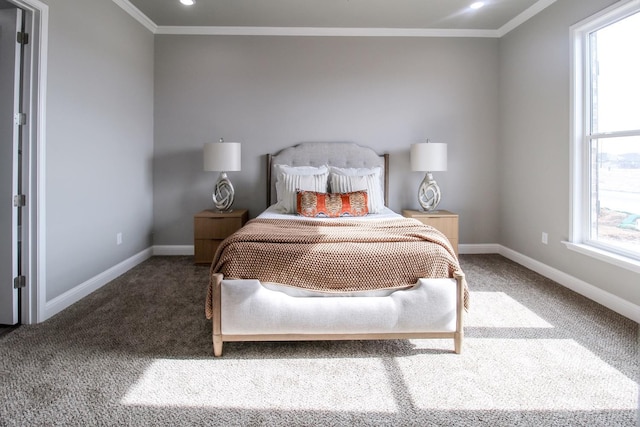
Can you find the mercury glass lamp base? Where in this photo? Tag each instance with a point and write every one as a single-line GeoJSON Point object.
{"type": "Point", "coordinates": [429, 193]}
{"type": "Point", "coordinates": [223, 194]}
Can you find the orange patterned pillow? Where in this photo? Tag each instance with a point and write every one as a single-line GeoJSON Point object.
{"type": "Point", "coordinates": [332, 205]}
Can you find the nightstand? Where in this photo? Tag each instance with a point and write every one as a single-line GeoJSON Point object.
{"type": "Point", "coordinates": [444, 221]}
{"type": "Point", "coordinates": [210, 228]}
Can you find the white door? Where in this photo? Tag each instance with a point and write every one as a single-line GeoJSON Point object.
{"type": "Point", "coordinates": [10, 56]}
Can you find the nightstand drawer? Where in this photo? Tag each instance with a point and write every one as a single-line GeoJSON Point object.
{"type": "Point", "coordinates": [446, 226]}
{"type": "Point", "coordinates": [205, 250]}
{"type": "Point", "coordinates": [210, 228]}
{"type": "Point", "coordinates": [216, 228]}
{"type": "Point", "coordinates": [444, 221]}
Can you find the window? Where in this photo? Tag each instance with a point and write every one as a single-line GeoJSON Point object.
{"type": "Point", "coordinates": [606, 135]}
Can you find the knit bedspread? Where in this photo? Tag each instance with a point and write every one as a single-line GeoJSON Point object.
{"type": "Point", "coordinates": [335, 255]}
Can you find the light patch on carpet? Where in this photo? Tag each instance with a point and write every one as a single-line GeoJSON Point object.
{"type": "Point", "coordinates": [499, 310]}
{"type": "Point", "coordinates": [517, 375]}
{"type": "Point", "coordinates": [354, 385]}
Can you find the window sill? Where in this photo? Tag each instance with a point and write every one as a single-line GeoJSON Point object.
{"type": "Point", "coordinates": [608, 257]}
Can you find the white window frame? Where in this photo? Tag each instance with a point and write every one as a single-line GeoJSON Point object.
{"type": "Point", "coordinates": [579, 234]}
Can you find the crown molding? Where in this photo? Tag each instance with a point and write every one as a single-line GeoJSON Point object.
{"type": "Point", "coordinates": [137, 15]}
{"type": "Point", "coordinates": [324, 32]}
{"type": "Point", "coordinates": [332, 31]}
{"type": "Point", "coordinates": [524, 16]}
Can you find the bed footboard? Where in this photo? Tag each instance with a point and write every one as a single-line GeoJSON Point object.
{"type": "Point", "coordinates": [351, 318]}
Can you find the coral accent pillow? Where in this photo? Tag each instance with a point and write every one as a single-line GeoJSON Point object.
{"type": "Point", "coordinates": [332, 205]}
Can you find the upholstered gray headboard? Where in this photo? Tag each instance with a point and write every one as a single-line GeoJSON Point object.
{"type": "Point", "coordinates": [338, 154]}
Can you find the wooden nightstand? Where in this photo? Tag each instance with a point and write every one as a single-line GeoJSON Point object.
{"type": "Point", "coordinates": [210, 228]}
{"type": "Point", "coordinates": [446, 222]}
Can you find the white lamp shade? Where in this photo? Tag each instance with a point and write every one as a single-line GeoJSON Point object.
{"type": "Point", "coordinates": [222, 156]}
{"type": "Point", "coordinates": [429, 157]}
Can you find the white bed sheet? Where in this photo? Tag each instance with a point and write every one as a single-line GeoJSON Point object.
{"type": "Point", "coordinates": [272, 212]}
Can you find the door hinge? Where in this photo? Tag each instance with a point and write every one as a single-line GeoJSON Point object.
{"type": "Point", "coordinates": [23, 38]}
{"type": "Point", "coordinates": [19, 282]}
{"type": "Point", "coordinates": [19, 200]}
{"type": "Point", "coordinates": [20, 119]}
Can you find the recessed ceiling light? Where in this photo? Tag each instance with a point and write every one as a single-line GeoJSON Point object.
{"type": "Point", "coordinates": [477, 5]}
{"type": "Point", "coordinates": [187, 2]}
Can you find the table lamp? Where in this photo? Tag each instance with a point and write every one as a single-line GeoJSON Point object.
{"type": "Point", "coordinates": [429, 157]}
{"type": "Point", "coordinates": [222, 157]}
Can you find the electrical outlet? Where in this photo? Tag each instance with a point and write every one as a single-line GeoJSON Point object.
{"type": "Point", "coordinates": [545, 238]}
{"type": "Point", "coordinates": [119, 239]}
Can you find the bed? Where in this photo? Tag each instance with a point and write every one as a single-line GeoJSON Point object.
{"type": "Point", "coordinates": [293, 274]}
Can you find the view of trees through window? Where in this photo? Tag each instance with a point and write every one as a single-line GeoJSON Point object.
{"type": "Point", "coordinates": [615, 135]}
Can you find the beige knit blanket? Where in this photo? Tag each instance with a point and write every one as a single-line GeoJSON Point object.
{"type": "Point", "coordinates": [335, 255]}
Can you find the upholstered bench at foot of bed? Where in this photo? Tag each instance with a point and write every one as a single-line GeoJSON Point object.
{"type": "Point", "coordinates": [246, 310]}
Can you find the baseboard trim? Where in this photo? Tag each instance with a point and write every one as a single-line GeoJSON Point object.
{"type": "Point", "coordinates": [609, 300]}
{"type": "Point", "coordinates": [486, 248]}
{"type": "Point", "coordinates": [74, 295]}
{"type": "Point", "coordinates": [613, 302]}
{"type": "Point", "coordinates": [173, 250]}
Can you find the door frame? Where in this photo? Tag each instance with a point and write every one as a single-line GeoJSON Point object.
{"type": "Point", "coordinates": [11, 64]}
{"type": "Point", "coordinates": [33, 297]}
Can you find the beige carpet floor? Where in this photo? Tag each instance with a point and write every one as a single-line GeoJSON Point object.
{"type": "Point", "coordinates": [138, 352]}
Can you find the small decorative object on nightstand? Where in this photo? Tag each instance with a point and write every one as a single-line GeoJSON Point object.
{"type": "Point", "coordinates": [444, 221]}
{"type": "Point", "coordinates": [210, 228]}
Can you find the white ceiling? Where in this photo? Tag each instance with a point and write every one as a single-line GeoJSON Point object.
{"type": "Point", "coordinates": [496, 17]}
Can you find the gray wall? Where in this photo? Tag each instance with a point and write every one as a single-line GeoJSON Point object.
{"type": "Point", "coordinates": [99, 140]}
{"type": "Point", "coordinates": [273, 92]}
{"type": "Point", "coordinates": [501, 105]}
{"type": "Point", "coordinates": [535, 146]}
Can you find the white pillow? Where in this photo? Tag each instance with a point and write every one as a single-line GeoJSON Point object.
{"type": "Point", "coordinates": [347, 180]}
{"type": "Point", "coordinates": [290, 179]}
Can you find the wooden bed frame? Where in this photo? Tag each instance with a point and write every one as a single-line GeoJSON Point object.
{"type": "Point", "coordinates": [338, 155]}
